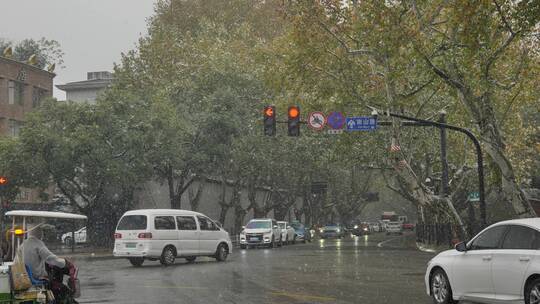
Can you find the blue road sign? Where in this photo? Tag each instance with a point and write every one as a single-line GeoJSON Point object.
{"type": "Point", "coordinates": [362, 123]}
{"type": "Point", "coordinates": [335, 120]}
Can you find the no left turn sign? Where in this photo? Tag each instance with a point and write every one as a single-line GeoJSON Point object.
{"type": "Point", "coordinates": [316, 121]}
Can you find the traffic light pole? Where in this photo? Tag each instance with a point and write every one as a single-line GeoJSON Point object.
{"type": "Point", "coordinates": [2, 235]}
{"type": "Point", "coordinates": [413, 121]}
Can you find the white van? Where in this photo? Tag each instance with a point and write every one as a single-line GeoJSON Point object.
{"type": "Point", "coordinates": [164, 234]}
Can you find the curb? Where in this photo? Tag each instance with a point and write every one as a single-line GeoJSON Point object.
{"type": "Point", "coordinates": [422, 248]}
{"type": "Point", "coordinates": [89, 257]}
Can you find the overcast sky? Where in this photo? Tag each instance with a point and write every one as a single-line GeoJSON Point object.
{"type": "Point", "coordinates": [92, 33]}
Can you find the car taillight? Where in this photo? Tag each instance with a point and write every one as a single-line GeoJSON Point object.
{"type": "Point", "coordinates": [117, 235]}
{"type": "Point", "coordinates": [145, 235]}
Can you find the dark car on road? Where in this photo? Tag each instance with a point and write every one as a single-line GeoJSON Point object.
{"type": "Point", "coordinates": [360, 229]}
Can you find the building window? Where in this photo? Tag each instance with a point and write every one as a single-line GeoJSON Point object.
{"type": "Point", "coordinates": [15, 92]}
{"type": "Point", "coordinates": [37, 96]}
{"type": "Point", "coordinates": [24, 196]}
{"type": "Point", "coordinates": [11, 92]}
{"type": "Point", "coordinates": [14, 127]}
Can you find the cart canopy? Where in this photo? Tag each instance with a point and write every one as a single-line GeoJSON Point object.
{"type": "Point", "coordinates": [47, 214]}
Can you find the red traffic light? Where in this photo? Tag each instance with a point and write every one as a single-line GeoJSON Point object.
{"type": "Point", "coordinates": [3, 180]}
{"type": "Point", "coordinates": [269, 120]}
{"type": "Point", "coordinates": [269, 111]}
{"type": "Point", "coordinates": [294, 112]}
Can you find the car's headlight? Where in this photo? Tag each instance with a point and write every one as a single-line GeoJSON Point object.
{"type": "Point", "coordinates": [365, 229]}
{"type": "Point", "coordinates": [338, 230]}
{"type": "Point", "coordinates": [355, 226]}
{"type": "Point", "coordinates": [321, 230]}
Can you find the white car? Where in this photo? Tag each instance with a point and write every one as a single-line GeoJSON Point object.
{"type": "Point", "coordinates": [374, 227]}
{"type": "Point", "coordinates": [288, 235]}
{"type": "Point", "coordinates": [164, 234]}
{"type": "Point", "coordinates": [260, 232]}
{"type": "Point", "coordinates": [80, 237]}
{"type": "Point", "coordinates": [499, 265]}
{"type": "Point", "coordinates": [394, 228]}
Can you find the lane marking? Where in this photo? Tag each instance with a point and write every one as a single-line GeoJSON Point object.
{"type": "Point", "coordinates": [387, 241]}
{"type": "Point", "coordinates": [302, 297]}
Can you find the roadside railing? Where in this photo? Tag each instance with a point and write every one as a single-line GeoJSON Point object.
{"type": "Point", "coordinates": [437, 234]}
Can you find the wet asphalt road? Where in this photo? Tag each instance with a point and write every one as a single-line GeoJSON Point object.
{"type": "Point", "coordinates": [371, 269]}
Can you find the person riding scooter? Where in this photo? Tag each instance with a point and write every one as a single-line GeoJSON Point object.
{"type": "Point", "coordinates": [36, 254]}
{"type": "Point", "coordinates": [45, 265]}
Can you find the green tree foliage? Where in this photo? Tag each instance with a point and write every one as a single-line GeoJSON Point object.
{"type": "Point", "coordinates": [197, 62]}
{"type": "Point", "coordinates": [473, 59]}
{"type": "Point", "coordinates": [92, 157]}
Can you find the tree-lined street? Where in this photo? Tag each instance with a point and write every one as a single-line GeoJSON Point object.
{"type": "Point", "coordinates": [325, 116]}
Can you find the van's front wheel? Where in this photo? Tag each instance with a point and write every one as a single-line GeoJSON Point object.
{"type": "Point", "coordinates": [167, 256]}
{"type": "Point", "coordinates": [137, 262]}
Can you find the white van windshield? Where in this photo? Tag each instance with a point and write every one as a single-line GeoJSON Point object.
{"type": "Point", "coordinates": [132, 222]}
{"type": "Point", "coordinates": [259, 225]}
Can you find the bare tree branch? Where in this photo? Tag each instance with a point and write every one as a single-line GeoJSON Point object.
{"type": "Point", "coordinates": [491, 60]}
{"type": "Point", "coordinates": [503, 17]}
{"type": "Point", "coordinates": [343, 43]}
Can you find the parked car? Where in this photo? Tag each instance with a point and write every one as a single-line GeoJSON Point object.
{"type": "Point", "coordinates": [303, 234]}
{"type": "Point", "coordinates": [374, 227]}
{"type": "Point", "coordinates": [394, 228]}
{"type": "Point", "coordinates": [80, 237]}
{"type": "Point", "coordinates": [407, 226]}
{"type": "Point", "coordinates": [360, 229]}
{"type": "Point", "coordinates": [165, 234]}
{"type": "Point", "coordinates": [501, 264]}
{"type": "Point", "coordinates": [332, 230]}
{"type": "Point", "coordinates": [287, 233]}
{"type": "Point", "coordinates": [261, 232]}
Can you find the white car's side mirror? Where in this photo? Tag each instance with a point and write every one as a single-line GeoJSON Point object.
{"type": "Point", "coordinates": [461, 247]}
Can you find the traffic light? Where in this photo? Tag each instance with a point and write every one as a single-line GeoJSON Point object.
{"type": "Point", "coordinates": [293, 122]}
{"type": "Point", "coordinates": [269, 120]}
{"type": "Point", "coordinates": [3, 182]}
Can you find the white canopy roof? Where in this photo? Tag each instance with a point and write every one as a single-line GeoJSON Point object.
{"type": "Point", "coordinates": [49, 214]}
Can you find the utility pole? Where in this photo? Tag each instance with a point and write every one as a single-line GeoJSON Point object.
{"type": "Point", "coordinates": [472, 217]}
{"type": "Point", "coordinates": [444, 160]}
{"type": "Point", "coordinates": [2, 215]}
